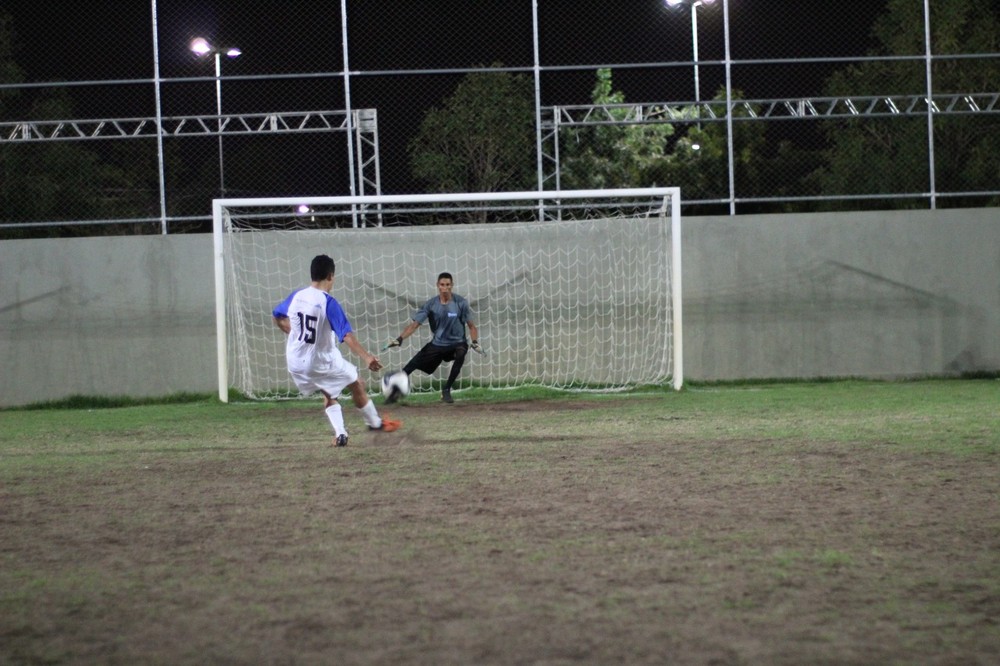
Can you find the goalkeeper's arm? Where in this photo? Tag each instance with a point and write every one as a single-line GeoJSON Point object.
{"type": "Point", "coordinates": [474, 333]}
{"type": "Point", "coordinates": [407, 332]}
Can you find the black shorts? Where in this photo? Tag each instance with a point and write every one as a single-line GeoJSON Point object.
{"type": "Point", "coordinates": [431, 356]}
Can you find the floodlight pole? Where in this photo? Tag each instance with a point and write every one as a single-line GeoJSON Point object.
{"type": "Point", "coordinates": [694, 45]}
{"type": "Point", "coordinates": [202, 47]}
{"type": "Point", "coordinates": [218, 111]}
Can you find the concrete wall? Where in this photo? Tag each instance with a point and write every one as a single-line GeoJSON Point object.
{"type": "Point", "coordinates": [106, 316]}
{"type": "Point", "coordinates": [878, 294]}
{"type": "Point", "coordinates": [882, 294]}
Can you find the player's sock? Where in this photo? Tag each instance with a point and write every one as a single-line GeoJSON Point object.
{"type": "Point", "coordinates": [336, 417]}
{"type": "Point", "coordinates": [370, 415]}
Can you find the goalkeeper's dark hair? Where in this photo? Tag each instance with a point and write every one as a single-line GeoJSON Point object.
{"type": "Point", "coordinates": [321, 268]}
{"type": "Point", "coordinates": [446, 276]}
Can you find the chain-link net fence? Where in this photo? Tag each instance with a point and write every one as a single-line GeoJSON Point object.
{"type": "Point", "coordinates": [108, 117]}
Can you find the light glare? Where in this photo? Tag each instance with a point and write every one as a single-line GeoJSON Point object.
{"type": "Point", "coordinates": [200, 46]}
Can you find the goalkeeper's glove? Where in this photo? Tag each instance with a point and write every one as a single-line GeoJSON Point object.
{"type": "Point", "coordinates": [477, 347]}
{"type": "Point", "coordinates": [393, 343]}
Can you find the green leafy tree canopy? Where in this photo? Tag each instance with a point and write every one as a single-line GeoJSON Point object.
{"type": "Point", "coordinates": [622, 154]}
{"type": "Point", "coordinates": [481, 139]}
{"type": "Point", "coordinates": [891, 155]}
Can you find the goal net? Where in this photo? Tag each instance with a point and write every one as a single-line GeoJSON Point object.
{"type": "Point", "coordinates": [571, 289]}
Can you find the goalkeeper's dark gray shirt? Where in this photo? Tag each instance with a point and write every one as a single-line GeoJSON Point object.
{"type": "Point", "coordinates": [447, 320]}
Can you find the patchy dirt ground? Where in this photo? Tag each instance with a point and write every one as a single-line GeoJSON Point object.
{"type": "Point", "coordinates": [631, 541]}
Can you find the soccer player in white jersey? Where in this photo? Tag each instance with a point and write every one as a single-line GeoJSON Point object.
{"type": "Point", "coordinates": [448, 314]}
{"type": "Point", "coordinates": [315, 323]}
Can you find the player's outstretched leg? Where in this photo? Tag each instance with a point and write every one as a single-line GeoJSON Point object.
{"type": "Point", "coordinates": [374, 421]}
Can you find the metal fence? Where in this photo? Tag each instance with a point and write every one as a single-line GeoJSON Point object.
{"type": "Point", "coordinates": [107, 116]}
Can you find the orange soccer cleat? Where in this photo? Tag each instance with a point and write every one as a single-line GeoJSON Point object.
{"type": "Point", "coordinates": [388, 425]}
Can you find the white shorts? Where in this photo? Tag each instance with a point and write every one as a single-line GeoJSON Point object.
{"type": "Point", "coordinates": [329, 378]}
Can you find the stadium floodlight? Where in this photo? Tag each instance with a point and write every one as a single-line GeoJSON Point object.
{"type": "Point", "coordinates": [202, 47]}
{"type": "Point", "coordinates": [694, 45]}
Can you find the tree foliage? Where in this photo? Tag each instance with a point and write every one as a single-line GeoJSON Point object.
{"type": "Point", "coordinates": [871, 155]}
{"type": "Point", "coordinates": [53, 181]}
{"type": "Point", "coordinates": [618, 154]}
{"type": "Point", "coordinates": [481, 139]}
{"type": "Point", "coordinates": [686, 153]}
{"type": "Point", "coordinates": [699, 161]}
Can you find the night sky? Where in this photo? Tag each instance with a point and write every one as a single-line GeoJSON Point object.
{"type": "Point", "coordinates": [112, 41]}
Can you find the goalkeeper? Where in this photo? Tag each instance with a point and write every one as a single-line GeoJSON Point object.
{"type": "Point", "coordinates": [448, 314]}
{"type": "Point", "coordinates": [314, 323]}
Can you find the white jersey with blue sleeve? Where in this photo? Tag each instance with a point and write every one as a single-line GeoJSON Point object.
{"type": "Point", "coordinates": [318, 324]}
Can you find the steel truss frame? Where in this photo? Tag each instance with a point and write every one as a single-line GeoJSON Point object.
{"type": "Point", "coordinates": [363, 123]}
{"type": "Point", "coordinates": [808, 108]}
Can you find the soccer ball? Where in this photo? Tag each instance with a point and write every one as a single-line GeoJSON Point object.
{"type": "Point", "coordinates": [395, 385]}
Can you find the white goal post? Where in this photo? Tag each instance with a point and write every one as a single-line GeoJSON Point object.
{"type": "Point", "coordinates": [576, 289]}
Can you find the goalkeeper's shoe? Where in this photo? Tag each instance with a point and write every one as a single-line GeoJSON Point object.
{"type": "Point", "coordinates": [341, 440]}
{"type": "Point", "coordinates": [446, 396]}
{"type": "Point", "coordinates": [388, 425]}
{"type": "Point", "coordinates": [393, 396]}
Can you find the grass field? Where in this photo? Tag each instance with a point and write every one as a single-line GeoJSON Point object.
{"type": "Point", "coordinates": [807, 523]}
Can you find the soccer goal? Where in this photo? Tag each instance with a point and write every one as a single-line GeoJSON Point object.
{"type": "Point", "coordinates": [570, 289]}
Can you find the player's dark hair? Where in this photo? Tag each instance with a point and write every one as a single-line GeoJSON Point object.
{"type": "Point", "coordinates": [322, 267]}
{"type": "Point", "coordinates": [446, 276]}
